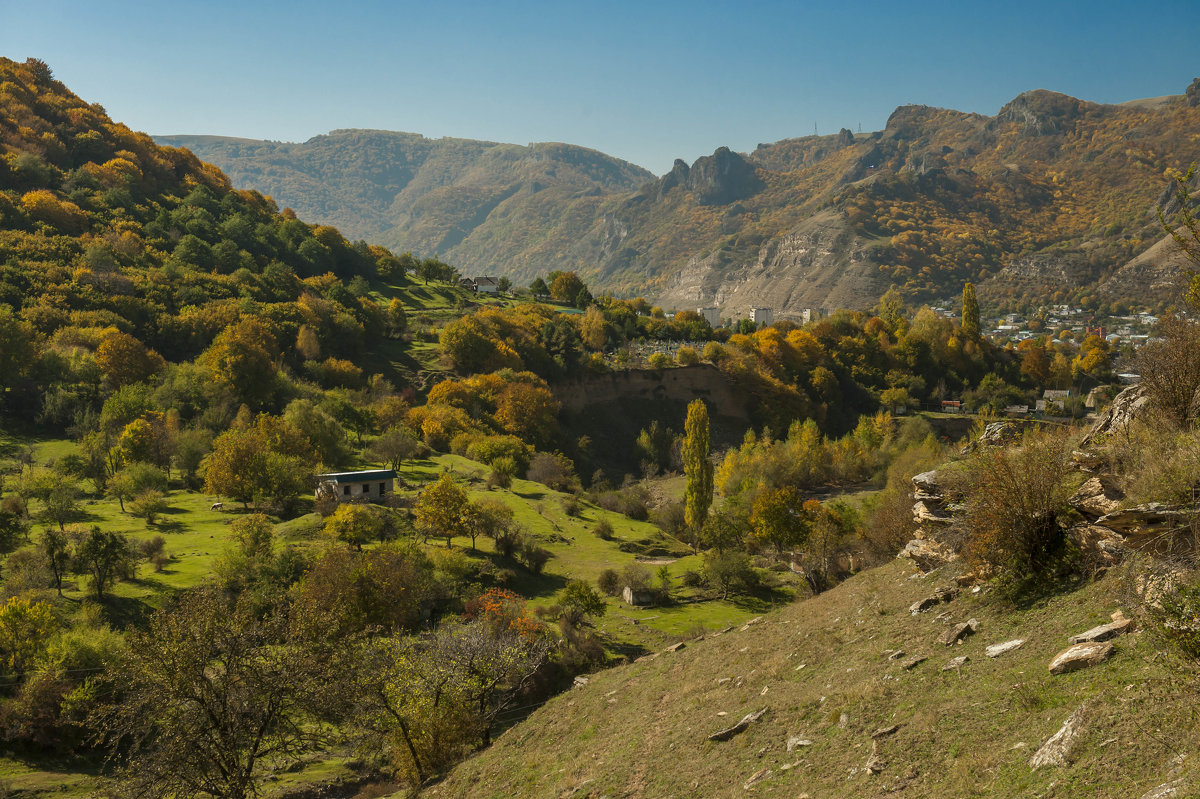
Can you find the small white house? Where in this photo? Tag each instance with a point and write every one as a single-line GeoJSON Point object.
{"type": "Point", "coordinates": [373, 484]}
{"type": "Point", "coordinates": [486, 285]}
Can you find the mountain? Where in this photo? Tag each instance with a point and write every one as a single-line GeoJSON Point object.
{"type": "Point", "coordinates": [1051, 198]}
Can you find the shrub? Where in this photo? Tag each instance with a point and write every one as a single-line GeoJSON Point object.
{"type": "Point", "coordinates": [687, 356]}
{"type": "Point", "coordinates": [534, 557]}
{"type": "Point", "coordinates": [609, 582]}
{"type": "Point", "coordinates": [669, 517]}
{"type": "Point", "coordinates": [504, 469]}
{"type": "Point", "coordinates": [692, 579]}
{"type": "Point", "coordinates": [714, 352]}
{"type": "Point", "coordinates": [553, 470]}
{"type": "Point", "coordinates": [730, 572]}
{"type": "Point", "coordinates": [659, 360]}
{"type": "Point", "coordinates": [603, 530]}
{"type": "Point", "coordinates": [572, 506]}
{"type": "Point", "coordinates": [1016, 497]}
{"type": "Point", "coordinates": [636, 576]}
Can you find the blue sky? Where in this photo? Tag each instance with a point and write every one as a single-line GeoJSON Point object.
{"type": "Point", "coordinates": [643, 81]}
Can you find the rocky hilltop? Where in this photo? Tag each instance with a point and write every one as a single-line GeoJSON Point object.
{"type": "Point", "coordinates": [1053, 197]}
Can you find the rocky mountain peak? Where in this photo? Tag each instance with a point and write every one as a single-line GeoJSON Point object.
{"type": "Point", "coordinates": [1042, 112]}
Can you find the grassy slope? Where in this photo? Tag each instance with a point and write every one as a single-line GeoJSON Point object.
{"type": "Point", "coordinates": [642, 729]}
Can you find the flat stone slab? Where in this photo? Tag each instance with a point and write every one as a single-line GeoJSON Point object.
{"type": "Point", "coordinates": [996, 650]}
{"type": "Point", "coordinates": [955, 663]}
{"type": "Point", "coordinates": [1104, 632]}
{"type": "Point", "coordinates": [729, 732]}
{"type": "Point", "coordinates": [1080, 656]}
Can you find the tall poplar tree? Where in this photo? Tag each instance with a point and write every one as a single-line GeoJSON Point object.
{"type": "Point", "coordinates": [697, 468]}
{"type": "Point", "coordinates": [970, 312]}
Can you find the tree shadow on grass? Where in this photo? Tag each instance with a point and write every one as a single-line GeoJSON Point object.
{"type": "Point", "coordinates": [167, 526]}
{"type": "Point", "coordinates": [125, 612]}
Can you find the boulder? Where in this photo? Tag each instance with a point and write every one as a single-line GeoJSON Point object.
{"type": "Point", "coordinates": [1080, 656]}
{"type": "Point", "coordinates": [996, 650]}
{"type": "Point", "coordinates": [913, 662]}
{"type": "Point", "coordinates": [675, 647]}
{"type": "Point", "coordinates": [1099, 545]}
{"type": "Point", "coordinates": [1125, 407]}
{"type": "Point", "coordinates": [796, 742]}
{"type": "Point", "coordinates": [1087, 461]}
{"type": "Point", "coordinates": [1096, 497]}
{"type": "Point", "coordinates": [756, 778]}
{"type": "Point", "coordinates": [958, 632]}
{"type": "Point", "coordinates": [955, 663]}
{"type": "Point", "coordinates": [1058, 751]}
{"type": "Point", "coordinates": [995, 434]}
{"type": "Point", "coordinates": [1104, 632]}
{"type": "Point", "coordinates": [922, 605]}
{"type": "Point", "coordinates": [1144, 519]}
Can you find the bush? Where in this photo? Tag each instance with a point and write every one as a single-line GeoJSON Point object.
{"type": "Point", "coordinates": [504, 469]}
{"type": "Point", "coordinates": [572, 506]}
{"type": "Point", "coordinates": [534, 557]}
{"type": "Point", "coordinates": [636, 576]}
{"type": "Point", "coordinates": [659, 361]}
{"type": "Point", "coordinates": [687, 356]}
{"type": "Point", "coordinates": [669, 517]}
{"type": "Point", "coordinates": [1016, 498]}
{"type": "Point", "coordinates": [692, 579]}
{"type": "Point", "coordinates": [730, 572]}
{"type": "Point", "coordinates": [603, 530]}
{"type": "Point", "coordinates": [631, 501]}
{"type": "Point", "coordinates": [714, 352]}
{"type": "Point", "coordinates": [553, 470]}
{"type": "Point", "coordinates": [609, 582]}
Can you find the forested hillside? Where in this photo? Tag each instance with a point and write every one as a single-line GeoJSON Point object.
{"type": "Point", "coordinates": [1048, 199]}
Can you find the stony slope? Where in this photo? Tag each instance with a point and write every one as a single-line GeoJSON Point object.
{"type": "Point", "coordinates": [1052, 195]}
{"type": "Point", "coordinates": [822, 671]}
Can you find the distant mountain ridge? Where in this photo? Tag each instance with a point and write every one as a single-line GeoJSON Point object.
{"type": "Point", "coordinates": [1049, 199]}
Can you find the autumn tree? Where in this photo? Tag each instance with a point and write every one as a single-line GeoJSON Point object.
{"type": "Point", "coordinates": [242, 360]}
{"type": "Point", "coordinates": [25, 629]}
{"type": "Point", "coordinates": [354, 524]}
{"type": "Point", "coordinates": [970, 312]}
{"type": "Point", "coordinates": [565, 286]}
{"type": "Point", "coordinates": [697, 469]}
{"type": "Point", "coordinates": [442, 509]}
{"type": "Point", "coordinates": [395, 446]}
{"type": "Point", "coordinates": [125, 360]}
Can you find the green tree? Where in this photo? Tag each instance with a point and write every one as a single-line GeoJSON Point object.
{"type": "Point", "coordinates": [242, 360]}
{"type": "Point", "coordinates": [230, 468]}
{"type": "Point", "coordinates": [697, 469]}
{"type": "Point", "coordinates": [106, 557]}
{"type": "Point", "coordinates": [55, 550]}
{"type": "Point", "coordinates": [778, 518]}
{"type": "Point", "coordinates": [580, 599]}
{"type": "Point", "coordinates": [395, 446]}
{"type": "Point", "coordinates": [214, 694]}
{"type": "Point", "coordinates": [970, 312]}
{"type": "Point", "coordinates": [149, 505]}
{"type": "Point", "coordinates": [61, 505]}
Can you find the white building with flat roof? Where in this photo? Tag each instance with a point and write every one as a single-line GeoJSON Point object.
{"type": "Point", "coordinates": [711, 315]}
{"type": "Point", "coordinates": [762, 316]}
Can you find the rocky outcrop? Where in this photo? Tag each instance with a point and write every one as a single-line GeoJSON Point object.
{"type": "Point", "coordinates": [1097, 497]}
{"type": "Point", "coordinates": [933, 513]}
{"type": "Point", "coordinates": [722, 178]}
{"type": "Point", "coordinates": [1125, 408]}
{"type": "Point", "coordinates": [1098, 545]}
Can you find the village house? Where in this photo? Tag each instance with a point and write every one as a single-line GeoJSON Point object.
{"type": "Point", "coordinates": [372, 484]}
{"type": "Point", "coordinates": [486, 285]}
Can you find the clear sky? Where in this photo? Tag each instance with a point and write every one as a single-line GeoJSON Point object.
{"type": "Point", "coordinates": [645, 81]}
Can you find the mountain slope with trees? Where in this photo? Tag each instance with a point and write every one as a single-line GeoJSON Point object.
{"type": "Point", "coordinates": [1049, 198]}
